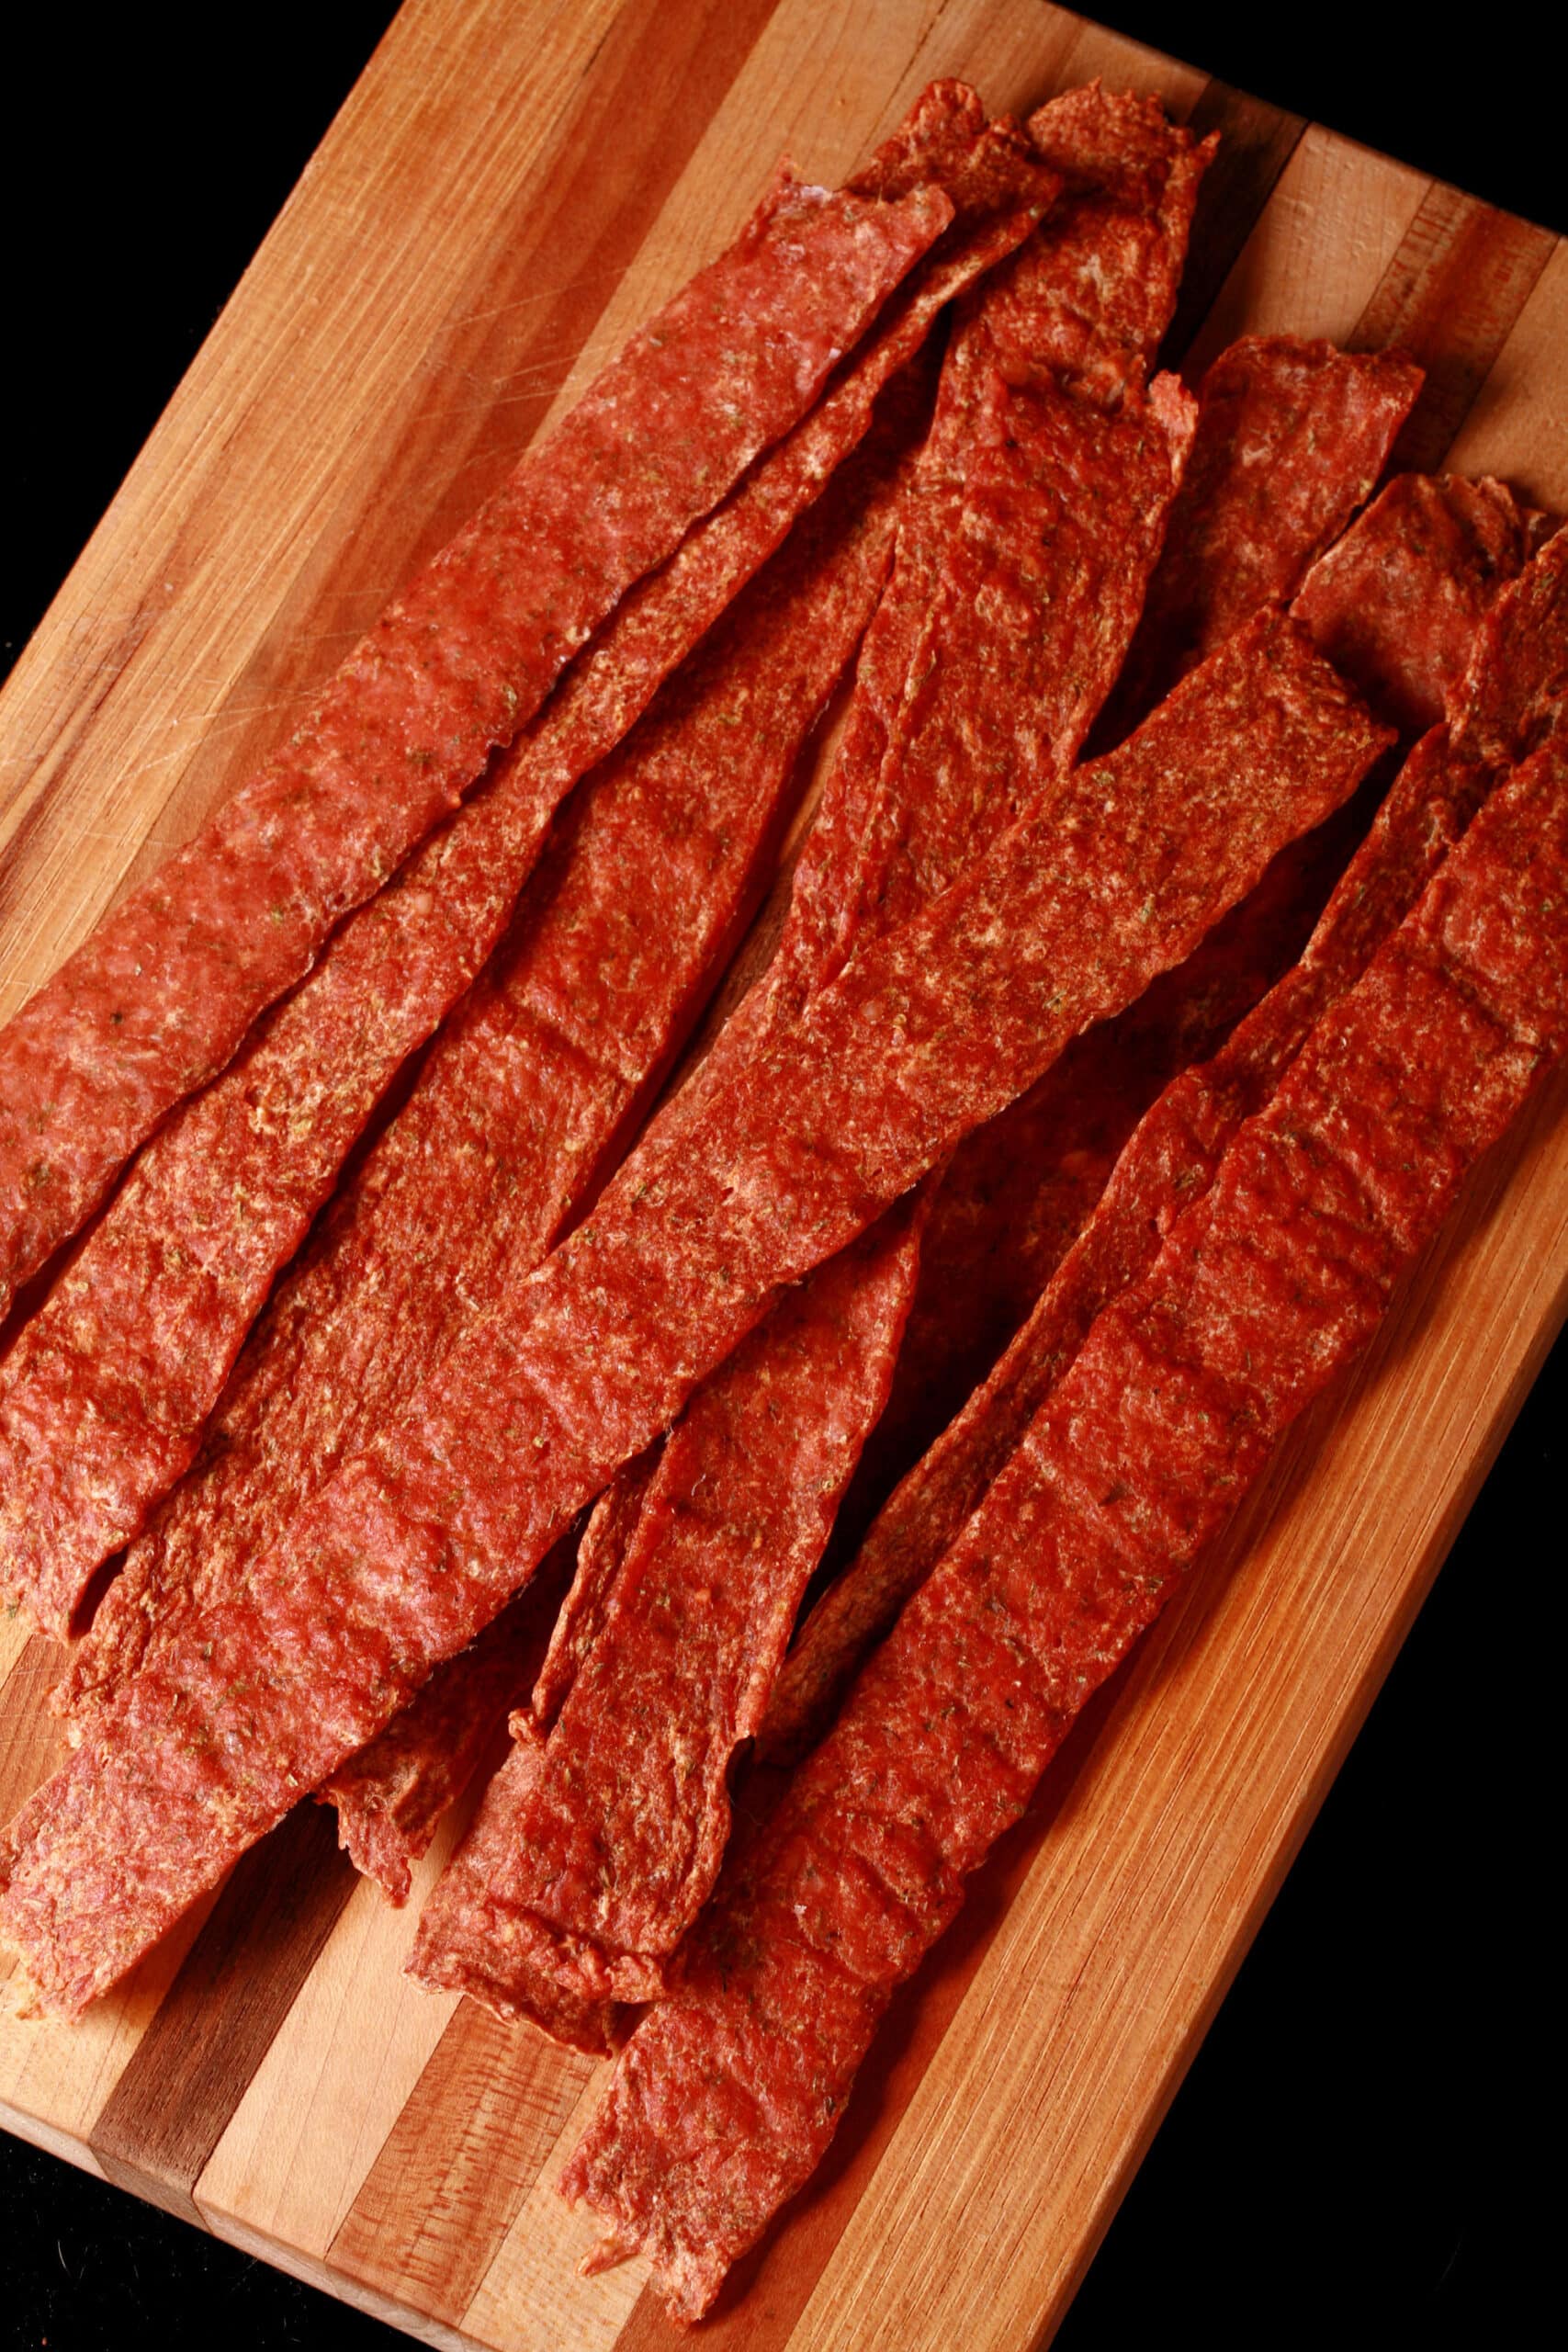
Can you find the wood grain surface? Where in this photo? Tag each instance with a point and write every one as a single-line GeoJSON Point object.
{"type": "Point", "coordinates": [508, 190]}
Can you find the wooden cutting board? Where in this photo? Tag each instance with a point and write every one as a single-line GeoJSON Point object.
{"type": "Point", "coordinates": [508, 190]}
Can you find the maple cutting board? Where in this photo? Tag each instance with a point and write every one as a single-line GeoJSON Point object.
{"type": "Point", "coordinates": [507, 191]}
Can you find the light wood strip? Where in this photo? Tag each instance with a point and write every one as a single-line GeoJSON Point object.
{"type": "Point", "coordinates": [532, 2298]}
{"type": "Point", "coordinates": [1516, 427]}
{"type": "Point", "coordinates": [464, 2156]}
{"type": "Point", "coordinates": [1450, 297]}
{"type": "Point", "coordinates": [357, 2041]}
{"type": "Point", "coordinates": [1332, 226]}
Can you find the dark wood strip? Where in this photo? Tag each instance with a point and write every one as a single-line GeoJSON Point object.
{"type": "Point", "coordinates": [1451, 294]}
{"type": "Point", "coordinates": [192, 2066]}
{"type": "Point", "coordinates": [462, 2155]}
{"type": "Point", "coordinates": [1257, 142]}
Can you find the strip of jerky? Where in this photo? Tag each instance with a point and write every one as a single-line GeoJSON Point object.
{"type": "Point", "coordinates": [406, 1811]}
{"type": "Point", "coordinates": [102, 1404]}
{"type": "Point", "coordinates": [546, 1063]}
{"type": "Point", "coordinates": [157, 1000]}
{"type": "Point", "coordinates": [725, 2101]}
{"type": "Point", "coordinates": [1021, 590]}
{"type": "Point", "coordinates": [421, 1537]}
{"type": "Point", "coordinates": [1395, 605]}
{"type": "Point", "coordinates": [276, 1421]}
{"type": "Point", "coordinates": [1066, 327]}
{"type": "Point", "coordinates": [716, 1489]}
{"type": "Point", "coordinates": [1291, 437]}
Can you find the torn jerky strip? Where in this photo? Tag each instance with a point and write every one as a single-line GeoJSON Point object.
{"type": "Point", "coordinates": [633, 972]}
{"type": "Point", "coordinates": [1397, 604]}
{"type": "Point", "coordinates": [725, 2101]}
{"type": "Point", "coordinates": [158, 998]}
{"type": "Point", "coordinates": [1397, 601]}
{"type": "Point", "coordinates": [1013, 1198]}
{"type": "Point", "coordinates": [397, 1818]}
{"type": "Point", "coordinates": [421, 1539]}
{"type": "Point", "coordinates": [997, 194]}
{"type": "Point", "coordinates": [1021, 590]}
{"type": "Point", "coordinates": [616, 942]}
{"type": "Point", "coordinates": [1291, 438]}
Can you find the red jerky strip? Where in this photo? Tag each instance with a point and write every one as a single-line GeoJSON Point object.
{"type": "Point", "coordinates": [547, 1058]}
{"type": "Point", "coordinates": [726, 2098]}
{"type": "Point", "coordinates": [1018, 1190]}
{"type": "Point", "coordinates": [1019, 574]}
{"type": "Point", "coordinates": [160, 996]}
{"type": "Point", "coordinates": [998, 194]}
{"type": "Point", "coordinates": [389, 1805]}
{"type": "Point", "coordinates": [611, 1526]}
{"type": "Point", "coordinates": [1395, 605]}
{"type": "Point", "coordinates": [686, 1658]}
{"type": "Point", "coordinates": [1291, 437]}
{"type": "Point", "coordinates": [421, 1539]}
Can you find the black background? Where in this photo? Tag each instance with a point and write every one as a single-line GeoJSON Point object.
{"type": "Point", "coordinates": [1347, 2162]}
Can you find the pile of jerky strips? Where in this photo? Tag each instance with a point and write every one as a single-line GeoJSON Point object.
{"type": "Point", "coordinates": [1153, 728]}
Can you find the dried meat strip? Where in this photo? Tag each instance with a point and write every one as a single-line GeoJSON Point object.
{"type": "Point", "coordinates": [633, 911]}
{"type": "Point", "coordinates": [725, 2098]}
{"type": "Point", "coordinates": [1170, 1158]}
{"type": "Point", "coordinates": [1291, 437]}
{"type": "Point", "coordinates": [1397, 604]}
{"type": "Point", "coordinates": [681, 1671]}
{"type": "Point", "coordinates": [275, 1413]}
{"type": "Point", "coordinates": [389, 1804]}
{"type": "Point", "coordinates": [421, 1539]}
{"type": "Point", "coordinates": [1013, 600]}
{"type": "Point", "coordinates": [159, 997]}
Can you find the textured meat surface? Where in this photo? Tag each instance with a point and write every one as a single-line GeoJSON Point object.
{"type": "Point", "coordinates": [160, 996]}
{"type": "Point", "coordinates": [1040, 504]}
{"type": "Point", "coordinates": [612, 1524]}
{"type": "Point", "coordinates": [1059, 1148]}
{"type": "Point", "coordinates": [1397, 602]}
{"type": "Point", "coordinates": [389, 1805]}
{"type": "Point", "coordinates": [617, 940]}
{"type": "Point", "coordinates": [597, 1863]}
{"type": "Point", "coordinates": [421, 1537]}
{"type": "Point", "coordinates": [1291, 437]}
{"type": "Point", "coordinates": [725, 2099]}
